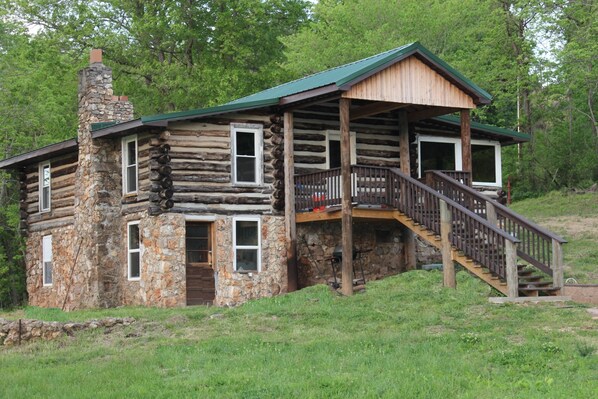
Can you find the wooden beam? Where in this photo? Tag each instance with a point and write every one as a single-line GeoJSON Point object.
{"type": "Point", "coordinates": [557, 264]}
{"type": "Point", "coordinates": [289, 203]}
{"type": "Point", "coordinates": [404, 143]}
{"type": "Point", "coordinates": [408, 237]}
{"type": "Point", "coordinates": [374, 109]}
{"type": "Point", "coordinates": [347, 223]}
{"type": "Point", "coordinates": [465, 140]}
{"type": "Point", "coordinates": [512, 273]}
{"type": "Point", "coordinates": [430, 113]}
{"type": "Point", "coordinates": [448, 267]}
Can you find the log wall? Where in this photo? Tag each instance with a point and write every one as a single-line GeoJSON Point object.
{"type": "Point", "coordinates": [377, 138]}
{"type": "Point", "coordinates": [201, 161]}
{"type": "Point", "coordinates": [62, 192]}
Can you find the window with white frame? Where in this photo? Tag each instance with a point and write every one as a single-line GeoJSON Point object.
{"type": "Point", "coordinates": [129, 161]}
{"type": "Point", "coordinates": [333, 148]}
{"type": "Point", "coordinates": [44, 187]}
{"type": "Point", "coordinates": [247, 154]}
{"type": "Point", "coordinates": [444, 153]}
{"type": "Point", "coordinates": [47, 260]}
{"type": "Point", "coordinates": [247, 244]}
{"type": "Point", "coordinates": [133, 251]}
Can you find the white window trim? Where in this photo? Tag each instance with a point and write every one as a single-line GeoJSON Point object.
{"type": "Point", "coordinates": [41, 188]}
{"type": "Point", "coordinates": [336, 136]}
{"type": "Point", "coordinates": [258, 131]}
{"type": "Point", "coordinates": [259, 242]}
{"type": "Point", "coordinates": [459, 158]}
{"type": "Point", "coordinates": [47, 257]}
{"type": "Point", "coordinates": [125, 142]}
{"type": "Point", "coordinates": [130, 251]}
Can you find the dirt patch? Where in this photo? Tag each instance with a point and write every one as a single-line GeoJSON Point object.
{"type": "Point", "coordinates": [572, 226]}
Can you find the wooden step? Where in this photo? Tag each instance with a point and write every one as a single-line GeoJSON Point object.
{"type": "Point", "coordinates": [535, 284]}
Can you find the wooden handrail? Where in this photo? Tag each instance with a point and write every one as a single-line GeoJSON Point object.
{"type": "Point", "coordinates": [537, 244]}
{"type": "Point", "coordinates": [470, 233]}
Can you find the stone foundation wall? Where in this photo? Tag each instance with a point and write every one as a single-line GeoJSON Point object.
{"type": "Point", "coordinates": [233, 288]}
{"type": "Point", "coordinates": [316, 242]}
{"type": "Point", "coordinates": [63, 255]}
{"type": "Point", "coordinates": [162, 280]}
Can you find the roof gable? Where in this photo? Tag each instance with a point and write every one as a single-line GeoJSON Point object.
{"type": "Point", "coordinates": [411, 81]}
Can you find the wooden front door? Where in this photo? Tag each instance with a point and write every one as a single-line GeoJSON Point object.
{"type": "Point", "coordinates": [200, 275]}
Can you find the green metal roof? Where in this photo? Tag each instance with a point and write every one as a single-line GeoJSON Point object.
{"type": "Point", "coordinates": [454, 120]}
{"type": "Point", "coordinates": [339, 76]}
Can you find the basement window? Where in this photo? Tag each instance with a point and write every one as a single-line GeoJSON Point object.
{"type": "Point", "coordinates": [130, 165]}
{"type": "Point", "coordinates": [44, 187]}
{"type": "Point", "coordinates": [47, 261]}
{"type": "Point", "coordinates": [247, 154]}
{"type": "Point", "coordinates": [134, 251]}
{"type": "Point", "coordinates": [247, 244]}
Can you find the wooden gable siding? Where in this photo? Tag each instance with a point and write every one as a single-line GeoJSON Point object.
{"type": "Point", "coordinates": [377, 139]}
{"type": "Point", "coordinates": [201, 158]}
{"type": "Point", "coordinates": [410, 82]}
{"type": "Point", "coordinates": [62, 194]}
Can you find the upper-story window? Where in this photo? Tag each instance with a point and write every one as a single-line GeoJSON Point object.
{"type": "Point", "coordinates": [247, 154]}
{"type": "Point", "coordinates": [44, 187]}
{"type": "Point", "coordinates": [130, 165]}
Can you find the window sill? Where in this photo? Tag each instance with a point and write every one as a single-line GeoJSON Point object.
{"type": "Point", "coordinates": [134, 279]}
{"type": "Point", "coordinates": [248, 185]}
{"type": "Point", "coordinates": [246, 271]}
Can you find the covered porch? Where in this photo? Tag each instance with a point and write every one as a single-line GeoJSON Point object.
{"type": "Point", "coordinates": [349, 138]}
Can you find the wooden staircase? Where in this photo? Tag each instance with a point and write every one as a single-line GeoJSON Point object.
{"type": "Point", "coordinates": [482, 242]}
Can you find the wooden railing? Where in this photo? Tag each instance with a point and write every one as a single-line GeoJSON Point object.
{"type": "Point", "coordinates": [459, 175]}
{"type": "Point", "coordinates": [538, 246]}
{"type": "Point", "coordinates": [473, 235]}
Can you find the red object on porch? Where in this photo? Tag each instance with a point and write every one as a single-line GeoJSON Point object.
{"type": "Point", "coordinates": [319, 199]}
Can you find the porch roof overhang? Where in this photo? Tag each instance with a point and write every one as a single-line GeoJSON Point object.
{"type": "Point", "coordinates": [504, 136]}
{"type": "Point", "coordinates": [41, 154]}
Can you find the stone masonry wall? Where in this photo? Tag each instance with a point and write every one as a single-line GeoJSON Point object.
{"type": "Point", "coordinates": [162, 280]}
{"type": "Point", "coordinates": [63, 253]}
{"type": "Point", "coordinates": [316, 242]}
{"type": "Point", "coordinates": [234, 288]}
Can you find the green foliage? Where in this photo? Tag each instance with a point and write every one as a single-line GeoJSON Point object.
{"type": "Point", "coordinates": [406, 336]}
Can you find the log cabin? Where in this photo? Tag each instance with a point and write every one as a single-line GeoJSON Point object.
{"type": "Point", "coordinates": [373, 164]}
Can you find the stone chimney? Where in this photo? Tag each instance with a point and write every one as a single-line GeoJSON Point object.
{"type": "Point", "coordinates": [98, 192]}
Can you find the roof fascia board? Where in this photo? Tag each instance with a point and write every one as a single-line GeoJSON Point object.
{"type": "Point", "coordinates": [488, 129]}
{"type": "Point", "coordinates": [306, 95]}
{"type": "Point", "coordinates": [40, 154]}
{"type": "Point", "coordinates": [115, 129]}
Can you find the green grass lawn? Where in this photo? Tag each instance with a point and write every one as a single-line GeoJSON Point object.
{"type": "Point", "coordinates": [405, 337]}
{"type": "Point", "coordinates": [575, 217]}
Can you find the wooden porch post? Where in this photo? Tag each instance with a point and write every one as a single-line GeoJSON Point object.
{"type": "Point", "coordinates": [405, 160]}
{"type": "Point", "coordinates": [446, 225]}
{"type": "Point", "coordinates": [512, 275]}
{"type": "Point", "coordinates": [289, 203]}
{"type": "Point", "coordinates": [466, 141]}
{"type": "Point", "coordinates": [347, 223]}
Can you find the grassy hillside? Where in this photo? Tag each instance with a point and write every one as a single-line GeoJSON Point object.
{"type": "Point", "coordinates": [406, 337]}
{"type": "Point", "coordinates": [575, 217]}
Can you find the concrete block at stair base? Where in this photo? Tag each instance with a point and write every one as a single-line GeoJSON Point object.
{"type": "Point", "coordinates": [585, 293]}
{"type": "Point", "coordinates": [529, 299]}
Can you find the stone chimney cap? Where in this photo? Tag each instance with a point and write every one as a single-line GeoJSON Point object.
{"type": "Point", "coordinates": [95, 56]}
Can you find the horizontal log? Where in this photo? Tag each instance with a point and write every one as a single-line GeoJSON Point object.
{"type": "Point", "coordinates": [380, 141]}
{"type": "Point", "coordinates": [202, 178]}
{"type": "Point", "coordinates": [377, 162]}
{"type": "Point", "coordinates": [202, 208]}
{"type": "Point", "coordinates": [182, 188]}
{"type": "Point", "coordinates": [276, 119]}
{"type": "Point", "coordinates": [276, 129]}
{"type": "Point", "coordinates": [166, 193]}
{"type": "Point", "coordinates": [309, 147]}
{"type": "Point", "coordinates": [202, 156]}
{"type": "Point", "coordinates": [378, 153]}
{"type": "Point", "coordinates": [201, 166]}
{"type": "Point", "coordinates": [163, 159]}
{"type": "Point", "coordinates": [203, 130]}
{"type": "Point", "coordinates": [310, 136]}
{"type": "Point", "coordinates": [310, 159]}
{"type": "Point", "coordinates": [206, 199]}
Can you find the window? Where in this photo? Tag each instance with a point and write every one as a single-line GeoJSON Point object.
{"type": "Point", "coordinates": [44, 187]}
{"type": "Point", "coordinates": [129, 153]}
{"type": "Point", "coordinates": [246, 242]}
{"type": "Point", "coordinates": [47, 260]}
{"type": "Point", "coordinates": [444, 153]}
{"type": "Point", "coordinates": [134, 251]}
{"type": "Point", "coordinates": [247, 153]}
{"type": "Point", "coordinates": [333, 150]}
